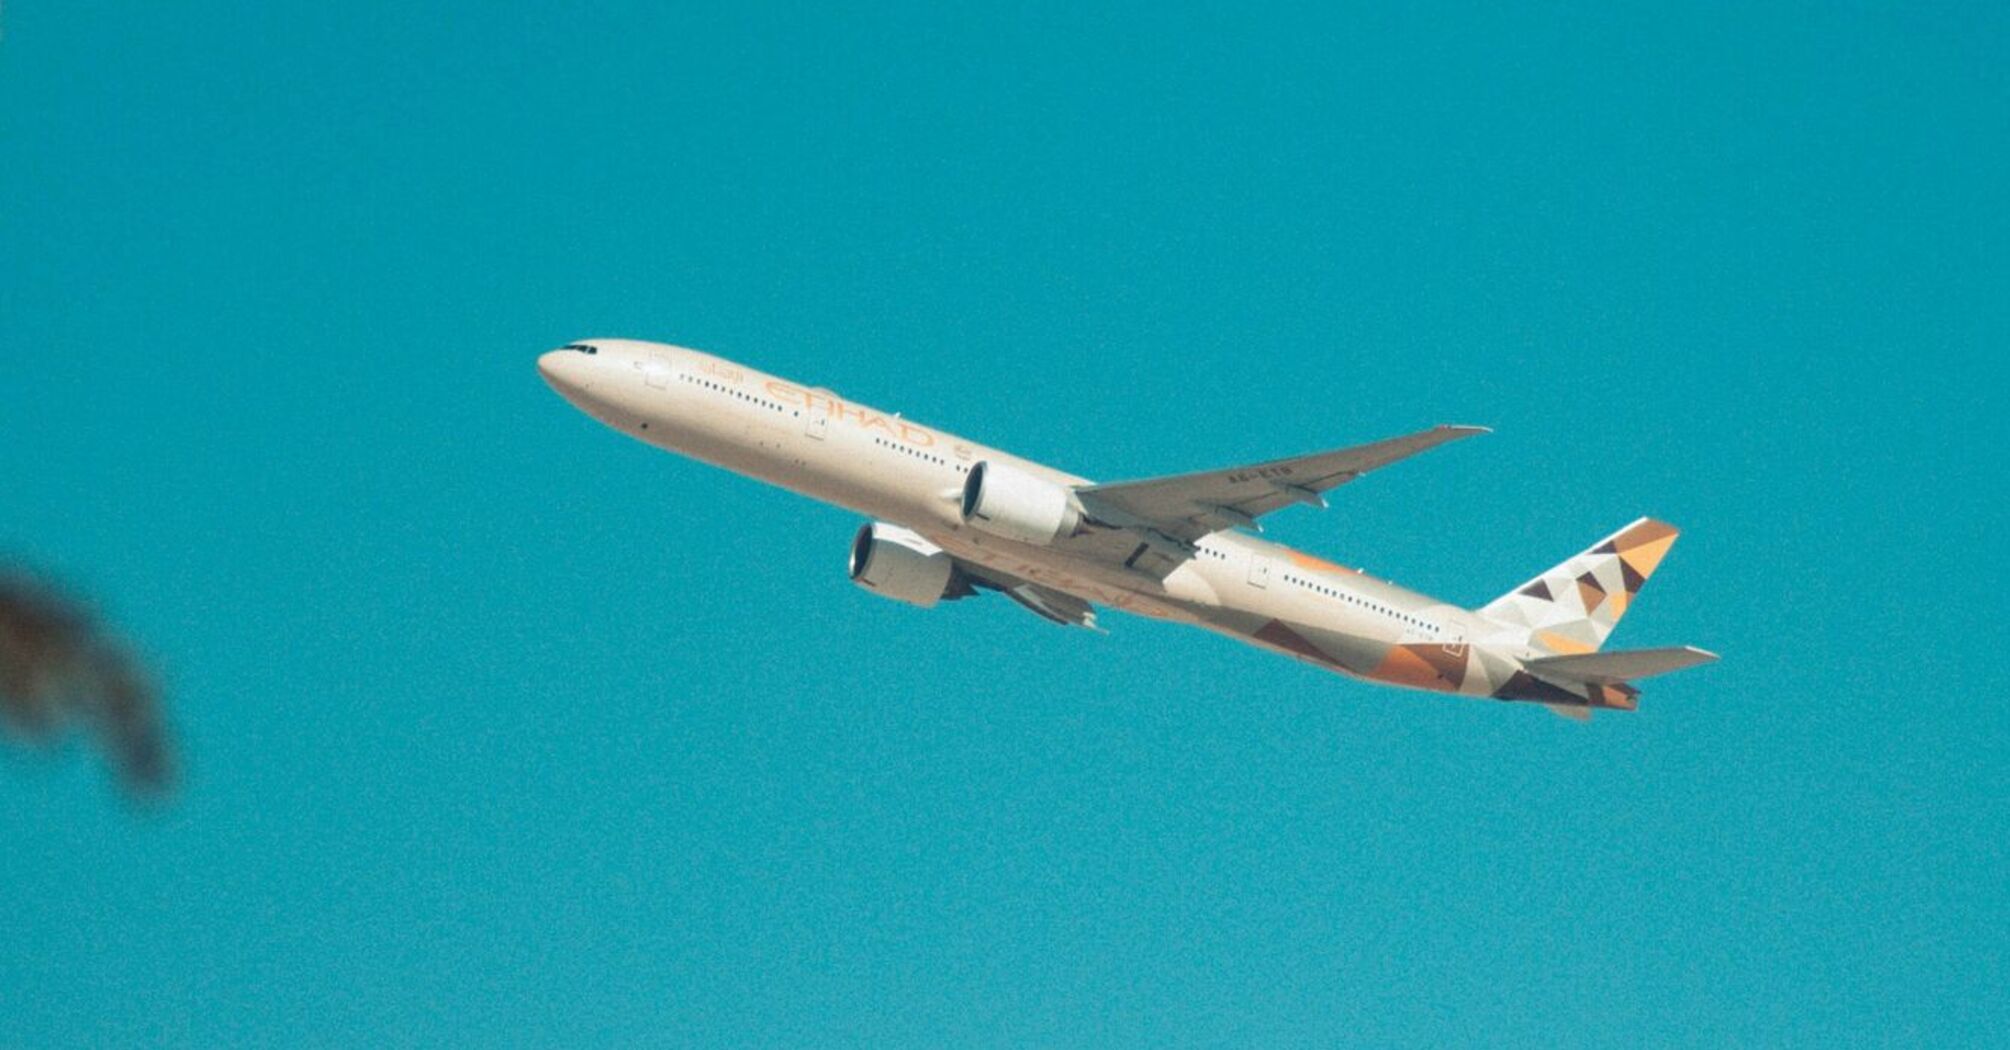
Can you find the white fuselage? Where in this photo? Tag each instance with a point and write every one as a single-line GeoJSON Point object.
{"type": "Point", "coordinates": [812, 441]}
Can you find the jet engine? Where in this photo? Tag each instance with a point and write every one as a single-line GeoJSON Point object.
{"type": "Point", "coordinates": [898, 563]}
{"type": "Point", "coordinates": [1009, 502]}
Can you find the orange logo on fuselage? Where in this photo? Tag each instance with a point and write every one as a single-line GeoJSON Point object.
{"type": "Point", "coordinates": [858, 415]}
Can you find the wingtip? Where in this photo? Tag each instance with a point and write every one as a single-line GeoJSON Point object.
{"type": "Point", "coordinates": [1464, 429]}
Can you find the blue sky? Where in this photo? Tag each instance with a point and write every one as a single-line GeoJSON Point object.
{"type": "Point", "coordinates": [501, 729]}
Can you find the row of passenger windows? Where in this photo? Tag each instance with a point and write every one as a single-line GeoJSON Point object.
{"type": "Point", "coordinates": [1353, 599]}
{"type": "Point", "coordinates": [1209, 552]}
{"type": "Point", "coordinates": [772, 406]}
{"type": "Point", "coordinates": [910, 450]}
{"type": "Point", "coordinates": [777, 407]}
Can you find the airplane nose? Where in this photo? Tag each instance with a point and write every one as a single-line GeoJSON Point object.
{"type": "Point", "coordinates": [567, 371]}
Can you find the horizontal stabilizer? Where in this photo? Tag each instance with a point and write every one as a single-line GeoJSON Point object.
{"type": "Point", "coordinates": [1618, 665]}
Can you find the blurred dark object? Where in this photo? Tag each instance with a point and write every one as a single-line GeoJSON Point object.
{"type": "Point", "coordinates": [59, 670]}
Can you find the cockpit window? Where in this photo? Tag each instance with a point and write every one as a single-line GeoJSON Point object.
{"type": "Point", "coordinates": [584, 348]}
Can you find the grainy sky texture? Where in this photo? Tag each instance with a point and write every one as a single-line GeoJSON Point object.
{"type": "Point", "coordinates": [498, 729]}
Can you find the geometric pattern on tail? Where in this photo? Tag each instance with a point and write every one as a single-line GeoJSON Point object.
{"type": "Point", "coordinates": [1573, 607]}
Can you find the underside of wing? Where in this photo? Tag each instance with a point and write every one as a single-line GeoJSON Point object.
{"type": "Point", "coordinates": [1186, 507]}
{"type": "Point", "coordinates": [1052, 605]}
{"type": "Point", "coordinates": [1045, 602]}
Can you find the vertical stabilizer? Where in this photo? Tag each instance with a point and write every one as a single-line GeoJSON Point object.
{"type": "Point", "coordinates": [1573, 607]}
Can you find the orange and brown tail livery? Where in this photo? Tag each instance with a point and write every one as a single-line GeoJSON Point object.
{"type": "Point", "coordinates": [1573, 607]}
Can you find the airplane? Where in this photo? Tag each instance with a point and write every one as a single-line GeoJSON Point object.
{"type": "Point", "coordinates": [949, 518]}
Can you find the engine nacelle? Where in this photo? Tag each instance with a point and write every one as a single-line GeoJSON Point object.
{"type": "Point", "coordinates": [1006, 501]}
{"type": "Point", "coordinates": [898, 563]}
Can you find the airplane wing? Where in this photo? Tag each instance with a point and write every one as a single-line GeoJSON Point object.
{"type": "Point", "coordinates": [1044, 602]}
{"type": "Point", "coordinates": [1186, 507]}
{"type": "Point", "coordinates": [1049, 604]}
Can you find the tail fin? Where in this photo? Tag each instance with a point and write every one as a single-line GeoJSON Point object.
{"type": "Point", "coordinates": [1571, 609]}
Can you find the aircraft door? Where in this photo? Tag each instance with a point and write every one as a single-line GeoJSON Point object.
{"type": "Point", "coordinates": [816, 424]}
{"type": "Point", "coordinates": [1259, 571]}
{"type": "Point", "coordinates": [657, 371]}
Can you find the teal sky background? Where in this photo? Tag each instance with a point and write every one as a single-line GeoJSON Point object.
{"type": "Point", "coordinates": [501, 729]}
